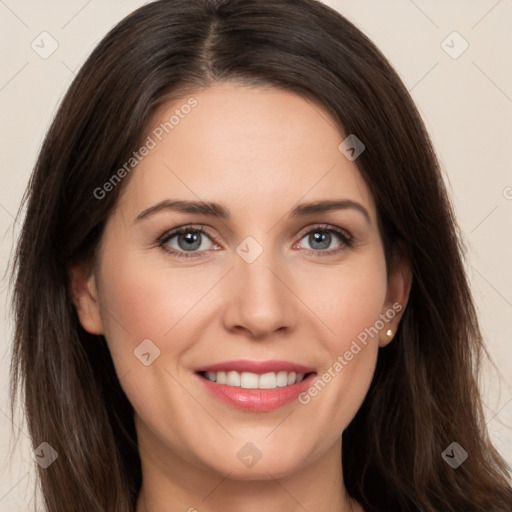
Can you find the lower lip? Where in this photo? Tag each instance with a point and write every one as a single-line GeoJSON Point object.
{"type": "Point", "coordinates": [259, 400]}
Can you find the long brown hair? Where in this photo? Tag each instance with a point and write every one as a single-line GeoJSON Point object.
{"type": "Point", "coordinates": [424, 394]}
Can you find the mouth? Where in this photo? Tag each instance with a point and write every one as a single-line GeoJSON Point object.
{"type": "Point", "coordinates": [255, 385]}
{"type": "Point", "coordinates": [249, 380]}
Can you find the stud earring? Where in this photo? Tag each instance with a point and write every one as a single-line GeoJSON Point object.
{"type": "Point", "coordinates": [389, 332]}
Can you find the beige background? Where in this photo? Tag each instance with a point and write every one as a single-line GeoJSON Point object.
{"type": "Point", "coordinates": [465, 101]}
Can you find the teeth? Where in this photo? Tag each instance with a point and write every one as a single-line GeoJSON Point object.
{"type": "Point", "coordinates": [268, 381]}
{"type": "Point", "coordinates": [282, 379]}
{"type": "Point", "coordinates": [233, 379]}
{"type": "Point", "coordinates": [248, 380]}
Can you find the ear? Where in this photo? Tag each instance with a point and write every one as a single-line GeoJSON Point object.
{"type": "Point", "coordinates": [85, 298]}
{"type": "Point", "coordinates": [399, 287]}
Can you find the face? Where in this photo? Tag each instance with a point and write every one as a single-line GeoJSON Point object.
{"type": "Point", "coordinates": [285, 306]}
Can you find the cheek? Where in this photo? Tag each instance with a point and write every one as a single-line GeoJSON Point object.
{"type": "Point", "coordinates": [143, 302]}
{"type": "Point", "coordinates": [348, 299]}
{"type": "Point", "coordinates": [350, 305]}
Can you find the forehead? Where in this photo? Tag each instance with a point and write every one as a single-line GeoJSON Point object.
{"type": "Point", "coordinates": [253, 148]}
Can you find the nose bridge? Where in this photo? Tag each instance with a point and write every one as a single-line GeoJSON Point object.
{"type": "Point", "coordinates": [258, 277]}
{"type": "Point", "coordinates": [259, 301]}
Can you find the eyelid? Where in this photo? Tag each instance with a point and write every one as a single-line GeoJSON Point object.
{"type": "Point", "coordinates": [324, 227]}
{"type": "Point", "coordinates": [186, 227]}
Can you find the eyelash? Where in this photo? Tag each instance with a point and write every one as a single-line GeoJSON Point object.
{"type": "Point", "coordinates": [346, 240]}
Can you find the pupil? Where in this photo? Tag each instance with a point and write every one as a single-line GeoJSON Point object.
{"type": "Point", "coordinates": [192, 241]}
{"type": "Point", "coordinates": [323, 239]}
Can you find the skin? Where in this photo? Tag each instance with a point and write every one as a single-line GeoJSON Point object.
{"type": "Point", "coordinates": [258, 151]}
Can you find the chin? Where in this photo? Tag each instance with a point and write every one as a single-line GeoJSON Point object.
{"type": "Point", "coordinates": [261, 467]}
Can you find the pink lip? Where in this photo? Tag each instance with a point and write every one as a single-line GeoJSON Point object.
{"type": "Point", "coordinates": [259, 367]}
{"type": "Point", "coordinates": [257, 400]}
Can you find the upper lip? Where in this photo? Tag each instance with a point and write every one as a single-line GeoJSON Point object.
{"type": "Point", "coordinates": [259, 367]}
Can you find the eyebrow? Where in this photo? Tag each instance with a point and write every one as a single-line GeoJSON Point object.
{"type": "Point", "coordinates": [219, 211]}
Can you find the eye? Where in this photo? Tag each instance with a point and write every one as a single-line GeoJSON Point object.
{"type": "Point", "coordinates": [191, 241]}
{"type": "Point", "coordinates": [183, 240]}
{"type": "Point", "coordinates": [321, 237]}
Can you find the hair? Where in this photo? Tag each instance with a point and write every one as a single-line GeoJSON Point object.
{"type": "Point", "coordinates": [424, 394]}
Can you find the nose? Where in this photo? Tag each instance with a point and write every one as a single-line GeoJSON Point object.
{"type": "Point", "coordinates": [259, 300]}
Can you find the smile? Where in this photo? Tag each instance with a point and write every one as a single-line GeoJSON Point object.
{"type": "Point", "coordinates": [248, 380]}
{"type": "Point", "coordinates": [257, 386]}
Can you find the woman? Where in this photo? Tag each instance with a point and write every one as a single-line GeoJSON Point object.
{"type": "Point", "coordinates": [239, 283]}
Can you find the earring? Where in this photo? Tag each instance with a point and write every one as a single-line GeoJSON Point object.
{"type": "Point", "coordinates": [389, 332]}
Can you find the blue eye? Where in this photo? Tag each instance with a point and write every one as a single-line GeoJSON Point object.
{"type": "Point", "coordinates": [320, 238]}
{"type": "Point", "coordinates": [189, 241]}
